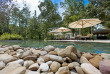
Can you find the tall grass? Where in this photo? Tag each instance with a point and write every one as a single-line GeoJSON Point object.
{"type": "Point", "coordinates": [7, 36]}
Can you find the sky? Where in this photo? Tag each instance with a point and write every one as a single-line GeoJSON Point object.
{"type": "Point", "coordinates": [33, 5]}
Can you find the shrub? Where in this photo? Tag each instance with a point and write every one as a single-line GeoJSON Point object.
{"type": "Point", "coordinates": [108, 36]}
{"type": "Point", "coordinates": [7, 36]}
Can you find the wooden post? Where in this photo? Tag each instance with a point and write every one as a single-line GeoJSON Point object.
{"type": "Point", "coordinates": [82, 27]}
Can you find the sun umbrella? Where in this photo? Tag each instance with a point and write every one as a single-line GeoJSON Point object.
{"type": "Point", "coordinates": [83, 23]}
{"type": "Point", "coordinates": [62, 29]}
{"type": "Point", "coordinates": [52, 32]}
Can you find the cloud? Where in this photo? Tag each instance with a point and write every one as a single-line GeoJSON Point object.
{"type": "Point", "coordinates": [33, 5]}
{"type": "Point", "coordinates": [61, 10]}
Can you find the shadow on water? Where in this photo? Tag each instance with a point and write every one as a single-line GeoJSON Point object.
{"type": "Point", "coordinates": [82, 46]}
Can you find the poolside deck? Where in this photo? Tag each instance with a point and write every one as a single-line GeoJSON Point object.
{"type": "Point", "coordinates": [98, 41]}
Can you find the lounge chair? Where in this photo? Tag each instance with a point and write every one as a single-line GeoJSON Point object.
{"type": "Point", "coordinates": [89, 36]}
{"type": "Point", "coordinates": [79, 37]}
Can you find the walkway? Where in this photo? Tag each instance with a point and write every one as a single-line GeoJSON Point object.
{"type": "Point", "coordinates": [99, 41]}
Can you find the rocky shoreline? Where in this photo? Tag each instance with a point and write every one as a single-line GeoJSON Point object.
{"type": "Point", "coordinates": [50, 60]}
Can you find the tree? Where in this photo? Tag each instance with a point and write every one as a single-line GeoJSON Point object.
{"type": "Point", "coordinates": [49, 16]}
{"type": "Point", "coordinates": [5, 10]}
{"type": "Point", "coordinates": [99, 9]}
{"type": "Point", "coordinates": [74, 11]}
{"type": "Point", "coordinates": [20, 18]}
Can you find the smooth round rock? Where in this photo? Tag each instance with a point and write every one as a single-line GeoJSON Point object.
{"type": "Point", "coordinates": [79, 70]}
{"type": "Point", "coordinates": [71, 48]}
{"type": "Point", "coordinates": [19, 70]}
{"type": "Point", "coordinates": [104, 66]}
{"type": "Point", "coordinates": [28, 63]}
{"type": "Point", "coordinates": [63, 70]}
{"type": "Point", "coordinates": [2, 65]}
{"type": "Point", "coordinates": [89, 69]}
{"type": "Point", "coordinates": [87, 56]}
{"type": "Point", "coordinates": [44, 67]}
{"type": "Point", "coordinates": [95, 61]}
{"type": "Point", "coordinates": [54, 66]}
{"type": "Point", "coordinates": [49, 48]}
{"type": "Point", "coordinates": [83, 60]}
{"type": "Point", "coordinates": [34, 66]}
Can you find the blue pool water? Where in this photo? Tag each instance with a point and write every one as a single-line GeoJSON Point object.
{"type": "Point", "coordinates": [82, 46]}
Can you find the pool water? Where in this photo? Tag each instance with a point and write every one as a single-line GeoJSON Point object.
{"type": "Point", "coordinates": [82, 46]}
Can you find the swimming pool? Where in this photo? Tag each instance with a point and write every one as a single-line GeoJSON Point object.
{"type": "Point", "coordinates": [82, 46]}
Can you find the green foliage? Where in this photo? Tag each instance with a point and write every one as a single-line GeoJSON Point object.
{"type": "Point", "coordinates": [108, 36]}
{"type": "Point", "coordinates": [7, 36]}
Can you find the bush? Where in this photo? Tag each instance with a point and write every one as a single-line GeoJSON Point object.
{"type": "Point", "coordinates": [108, 36]}
{"type": "Point", "coordinates": [7, 36]}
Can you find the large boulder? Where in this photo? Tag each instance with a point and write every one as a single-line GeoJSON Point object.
{"type": "Point", "coordinates": [87, 56]}
{"type": "Point", "coordinates": [95, 61]}
{"type": "Point", "coordinates": [6, 58]}
{"type": "Point", "coordinates": [83, 60]}
{"type": "Point", "coordinates": [34, 66]}
{"type": "Point", "coordinates": [89, 69]}
{"type": "Point", "coordinates": [49, 48]}
{"type": "Point", "coordinates": [104, 66]}
{"type": "Point", "coordinates": [19, 70]}
{"type": "Point", "coordinates": [56, 58]}
{"type": "Point", "coordinates": [44, 67]}
{"type": "Point", "coordinates": [63, 70]}
{"type": "Point", "coordinates": [105, 56]}
{"type": "Point", "coordinates": [70, 49]}
{"type": "Point", "coordinates": [2, 65]}
{"type": "Point", "coordinates": [9, 68]}
{"type": "Point", "coordinates": [54, 66]}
